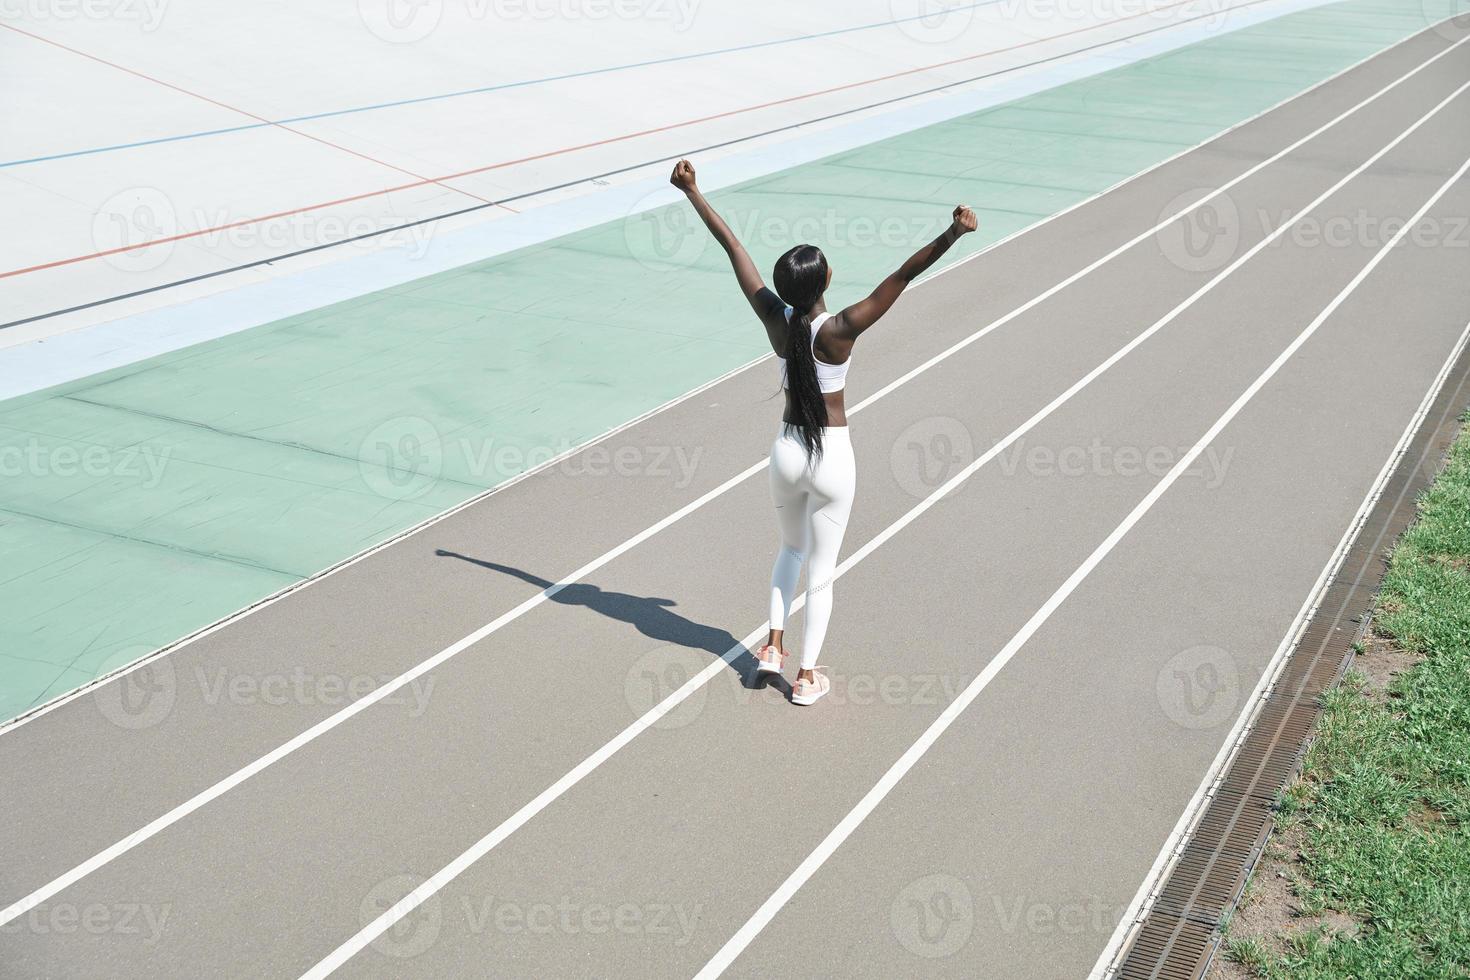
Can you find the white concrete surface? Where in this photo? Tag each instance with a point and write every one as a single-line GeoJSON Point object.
{"type": "Point", "coordinates": [649, 80]}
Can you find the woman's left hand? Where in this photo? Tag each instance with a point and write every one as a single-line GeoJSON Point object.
{"type": "Point", "coordinates": [964, 220]}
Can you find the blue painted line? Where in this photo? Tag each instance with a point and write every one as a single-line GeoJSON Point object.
{"type": "Point", "coordinates": [491, 88]}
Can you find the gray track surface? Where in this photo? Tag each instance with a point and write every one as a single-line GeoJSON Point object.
{"type": "Point", "coordinates": [1041, 809]}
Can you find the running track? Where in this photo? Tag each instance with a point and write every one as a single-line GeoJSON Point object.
{"type": "Point", "coordinates": [1101, 471]}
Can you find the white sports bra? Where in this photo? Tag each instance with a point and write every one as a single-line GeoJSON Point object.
{"type": "Point", "coordinates": [830, 377]}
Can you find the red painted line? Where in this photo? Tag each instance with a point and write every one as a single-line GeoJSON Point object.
{"type": "Point", "coordinates": [566, 149]}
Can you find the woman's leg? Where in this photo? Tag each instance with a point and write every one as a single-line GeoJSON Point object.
{"type": "Point", "coordinates": [828, 507]}
{"type": "Point", "coordinates": [790, 499]}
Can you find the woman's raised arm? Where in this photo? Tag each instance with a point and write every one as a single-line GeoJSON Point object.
{"type": "Point", "coordinates": [866, 312]}
{"type": "Point", "coordinates": [767, 304]}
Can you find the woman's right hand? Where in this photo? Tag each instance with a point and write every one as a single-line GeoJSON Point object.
{"type": "Point", "coordinates": [683, 176]}
{"type": "Point", "coordinates": [964, 221]}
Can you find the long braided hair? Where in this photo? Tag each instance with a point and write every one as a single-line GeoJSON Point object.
{"type": "Point", "coordinates": [801, 278]}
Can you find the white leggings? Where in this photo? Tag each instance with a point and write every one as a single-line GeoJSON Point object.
{"type": "Point", "coordinates": [813, 500]}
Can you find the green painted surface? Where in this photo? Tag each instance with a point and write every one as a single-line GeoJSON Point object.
{"type": "Point", "coordinates": [154, 499]}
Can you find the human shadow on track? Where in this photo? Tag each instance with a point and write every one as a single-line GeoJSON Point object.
{"type": "Point", "coordinates": [650, 615]}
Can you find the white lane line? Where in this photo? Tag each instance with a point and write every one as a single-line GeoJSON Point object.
{"type": "Point", "coordinates": [487, 843]}
{"type": "Point", "coordinates": [1138, 908]}
{"type": "Point", "coordinates": [737, 943]}
{"type": "Point", "coordinates": [111, 853]}
{"type": "Point", "coordinates": [14, 723]}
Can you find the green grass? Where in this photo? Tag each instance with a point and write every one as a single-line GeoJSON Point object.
{"type": "Point", "coordinates": [1384, 800]}
{"type": "Point", "coordinates": [1247, 952]}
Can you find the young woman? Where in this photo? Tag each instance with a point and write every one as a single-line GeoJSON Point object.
{"type": "Point", "coordinates": [813, 474]}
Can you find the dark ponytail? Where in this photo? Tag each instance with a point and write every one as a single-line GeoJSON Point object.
{"type": "Point", "coordinates": [801, 278]}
